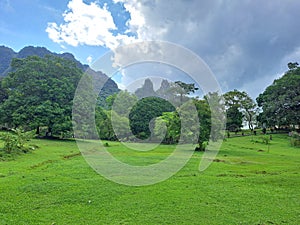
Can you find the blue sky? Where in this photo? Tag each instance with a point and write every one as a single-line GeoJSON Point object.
{"type": "Point", "coordinates": [24, 23]}
{"type": "Point", "coordinates": [247, 44]}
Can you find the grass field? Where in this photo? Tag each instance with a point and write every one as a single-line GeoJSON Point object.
{"type": "Point", "coordinates": [246, 184]}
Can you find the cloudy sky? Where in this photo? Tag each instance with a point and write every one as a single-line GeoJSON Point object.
{"type": "Point", "coordinates": [246, 43]}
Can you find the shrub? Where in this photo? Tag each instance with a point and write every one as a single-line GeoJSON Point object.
{"type": "Point", "coordinates": [201, 146]}
{"type": "Point", "coordinates": [295, 139]}
{"type": "Point", "coordinates": [266, 139]}
{"type": "Point", "coordinates": [15, 140]}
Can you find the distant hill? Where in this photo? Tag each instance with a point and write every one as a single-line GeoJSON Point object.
{"type": "Point", "coordinates": [7, 54]}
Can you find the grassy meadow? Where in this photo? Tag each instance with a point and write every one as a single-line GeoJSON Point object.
{"type": "Point", "coordinates": [248, 183]}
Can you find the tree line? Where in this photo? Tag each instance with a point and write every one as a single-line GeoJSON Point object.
{"type": "Point", "coordinates": [38, 95]}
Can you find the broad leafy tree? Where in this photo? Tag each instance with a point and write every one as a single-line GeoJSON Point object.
{"type": "Point", "coordinates": [3, 92]}
{"type": "Point", "coordinates": [183, 89]}
{"type": "Point", "coordinates": [217, 115]}
{"type": "Point", "coordinates": [172, 122]}
{"type": "Point", "coordinates": [167, 127]}
{"type": "Point", "coordinates": [144, 111]}
{"type": "Point", "coordinates": [244, 103]}
{"type": "Point", "coordinates": [122, 102]}
{"type": "Point", "coordinates": [104, 125]}
{"type": "Point", "coordinates": [280, 101]}
{"type": "Point", "coordinates": [204, 115]}
{"type": "Point", "coordinates": [234, 118]}
{"type": "Point", "coordinates": [41, 91]}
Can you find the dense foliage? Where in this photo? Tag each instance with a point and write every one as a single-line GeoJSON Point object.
{"type": "Point", "coordinates": [234, 119]}
{"type": "Point", "coordinates": [144, 112]}
{"type": "Point", "coordinates": [237, 101]}
{"type": "Point", "coordinates": [280, 102]}
{"type": "Point", "coordinates": [40, 94]}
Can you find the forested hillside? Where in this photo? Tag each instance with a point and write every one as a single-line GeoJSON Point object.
{"type": "Point", "coordinates": [7, 54]}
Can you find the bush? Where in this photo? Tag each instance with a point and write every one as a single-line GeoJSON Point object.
{"type": "Point", "coordinates": [266, 139]}
{"type": "Point", "coordinates": [201, 147]}
{"type": "Point", "coordinates": [15, 141]}
{"type": "Point", "coordinates": [295, 139]}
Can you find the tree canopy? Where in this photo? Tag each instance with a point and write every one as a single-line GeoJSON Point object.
{"type": "Point", "coordinates": [280, 102]}
{"type": "Point", "coordinates": [40, 93]}
{"type": "Point", "coordinates": [244, 103]}
{"type": "Point", "coordinates": [144, 111]}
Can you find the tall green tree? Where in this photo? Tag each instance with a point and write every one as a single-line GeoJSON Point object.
{"type": "Point", "coordinates": [204, 115]}
{"type": "Point", "coordinates": [41, 91]}
{"type": "Point", "coordinates": [167, 127]}
{"type": "Point", "coordinates": [217, 115]}
{"type": "Point", "coordinates": [280, 102]}
{"type": "Point", "coordinates": [104, 125]}
{"type": "Point", "coordinates": [145, 111]}
{"type": "Point", "coordinates": [234, 118]}
{"type": "Point", "coordinates": [244, 103]}
{"type": "Point", "coordinates": [183, 89]}
{"type": "Point", "coordinates": [122, 102]}
{"type": "Point", "coordinates": [170, 123]}
{"type": "Point", "coordinates": [3, 92]}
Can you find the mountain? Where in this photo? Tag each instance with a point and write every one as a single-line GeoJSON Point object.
{"type": "Point", "coordinates": [7, 54]}
{"type": "Point", "coordinates": [146, 90]}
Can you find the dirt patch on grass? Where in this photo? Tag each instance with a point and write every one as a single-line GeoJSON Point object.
{"type": "Point", "coordinates": [41, 164]}
{"type": "Point", "coordinates": [72, 155]}
{"type": "Point", "coordinates": [260, 150]}
{"type": "Point", "coordinates": [265, 172]}
{"type": "Point", "coordinates": [231, 175]}
{"type": "Point", "coordinates": [261, 172]}
{"type": "Point", "coordinates": [218, 160]}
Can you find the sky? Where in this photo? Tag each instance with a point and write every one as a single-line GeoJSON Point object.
{"type": "Point", "coordinates": [246, 43]}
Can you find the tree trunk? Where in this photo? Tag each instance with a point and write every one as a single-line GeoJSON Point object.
{"type": "Point", "coordinates": [49, 132]}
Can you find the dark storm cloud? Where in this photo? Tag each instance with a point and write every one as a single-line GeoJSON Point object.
{"type": "Point", "coordinates": [244, 42]}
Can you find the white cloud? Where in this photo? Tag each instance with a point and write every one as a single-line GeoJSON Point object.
{"type": "Point", "coordinates": [244, 43]}
{"type": "Point", "coordinates": [87, 24]}
{"type": "Point", "coordinates": [89, 59]}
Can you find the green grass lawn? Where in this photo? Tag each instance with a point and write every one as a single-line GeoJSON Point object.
{"type": "Point", "coordinates": [246, 184]}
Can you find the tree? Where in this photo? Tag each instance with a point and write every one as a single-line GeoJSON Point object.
{"type": "Point", "coordinates": [183, 89]}
{"type": "Point", "coordinates": [244, 103]}
{"type": "Point", "coordinates": [144, 111]}
{"type": "Point", "coordinates": [170, 123]}
{"type": "Point", "coordinates": [15, 140]}
{"type": "Point", "coordinates": [204, 115]}
{"type": "Point", "coordinates": [217, 115]}
{"type": "Point", "coordinates": [122, 102]}
{"type": "Point", "coordinates": [167, 127]}
{"type": "Point", "coordinates": [103, 124]}
{"type": "Point", "coordinates": [41, 91]}
{"type": "Point", "coordinates": [293, 66]}
{"type": "Point", "coordinates": [280, 102]}
{"type": "Point", "coordinates": [3, 94]}
{"type": "Point", "coordinates": [234, 118]}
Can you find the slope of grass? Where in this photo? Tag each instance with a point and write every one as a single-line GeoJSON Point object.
{"type": "Point", "coordinates": [246, 184]}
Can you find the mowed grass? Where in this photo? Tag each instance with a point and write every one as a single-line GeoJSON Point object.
{"type": "Point", "coordinates": [246, 184]}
